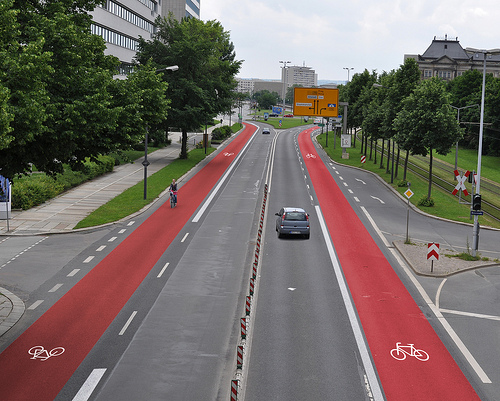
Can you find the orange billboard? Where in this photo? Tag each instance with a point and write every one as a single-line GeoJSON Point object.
{"type": "Point", "coordinates": [320, 102]}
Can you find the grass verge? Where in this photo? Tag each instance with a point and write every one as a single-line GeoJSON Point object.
{"type": "Point", "coordinates": [132, 200]}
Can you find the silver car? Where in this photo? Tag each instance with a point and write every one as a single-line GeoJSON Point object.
{"type": "Point", "coordinates": [292, 221]}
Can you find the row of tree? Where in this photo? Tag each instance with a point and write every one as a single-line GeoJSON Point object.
{"type": "Point", "coordinates": [60, 104]}
{"type": "Point", "coordinates": [420, 117]}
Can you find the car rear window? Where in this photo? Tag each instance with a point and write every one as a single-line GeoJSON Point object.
{"type": "Point", "coordinates": [295, 216]}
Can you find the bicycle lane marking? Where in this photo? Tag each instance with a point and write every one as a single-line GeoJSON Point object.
{"type": "Point", "coordinates": [82, 315]}
{"type": "Point", "coordinates": [386, 310]}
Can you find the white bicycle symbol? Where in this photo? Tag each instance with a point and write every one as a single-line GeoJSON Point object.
{"type": "Point", "coordinates": [311, 156]}
{"type": "Point", "coordinates": [39, 352]}
{"type": "Point", "coordinates": [401, 351]}
{"type": "Point", "coordinates": [228, 154]}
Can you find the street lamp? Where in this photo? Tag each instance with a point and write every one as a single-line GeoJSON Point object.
{"type": "Point", "coordinates": [348, 69]}
{"type": "Point", "coordinates": [476, 52]}
{"type": "Point", "coordinates": [146, 163]}
{"type": "Point", "coordinates": [458, 120]}
{"type": "Point", "coordinates": [284, 82]}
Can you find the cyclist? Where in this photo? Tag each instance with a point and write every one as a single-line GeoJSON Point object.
{"type": "Point", "coordinates": [173, 190]}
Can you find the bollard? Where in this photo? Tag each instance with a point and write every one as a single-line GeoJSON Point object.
{"type": "Point", "coordinates": [234, 390]}
{"type": "Point", "coordinates": [239, 358]}
{"type": "Point", "coordinates": [252, 285]}
{"type": "Point", "coordinates": [243, 322]}
{"type": "Point", "coordinates": [249, 300]}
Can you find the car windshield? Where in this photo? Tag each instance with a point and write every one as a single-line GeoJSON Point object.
{"type": "Point", "coordinates": [295, 216]}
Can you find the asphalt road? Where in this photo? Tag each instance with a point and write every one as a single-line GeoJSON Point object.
{"type": "Point", "coordinates": [176, 336]}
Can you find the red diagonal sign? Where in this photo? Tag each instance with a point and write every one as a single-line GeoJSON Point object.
{"type": "Point", "coordinates": [461, 183]}
{"type": "Point", "coordinates": [432, 251]}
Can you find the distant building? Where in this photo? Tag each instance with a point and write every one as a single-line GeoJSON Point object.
{"type": "Point", "coordinates": [181, 8]}
{"type": "Point", "coordinates": [252, 85]}
{"type": "Point", "coordinates": [297, 75]}
{"type": "Point", "coordinates": [122, 22]}
{"type": "Point", "coordinates": [446, 59]}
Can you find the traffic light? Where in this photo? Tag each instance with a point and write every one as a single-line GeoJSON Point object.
{"type": "Point", "coordinates": [476, 202]}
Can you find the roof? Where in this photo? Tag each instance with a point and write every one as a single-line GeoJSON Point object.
{"type": "Point", "coordinates": [444, 47]}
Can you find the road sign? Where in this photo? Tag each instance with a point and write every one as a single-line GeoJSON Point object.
{"type": "Point", "coordinates": [409, 193]}
{"type": "Point", "coordinates": [476, 212]}
{"type": "Point", "coordinates": [321, 102]}
{"type": "Point", "coordinates": [432, 251]}
{"type": "Point", "coordinates": [345, 141]}
{"type": "Point", "coordinates": [363, 159]}
{"type": "Point", "coordinates": [461, 183]}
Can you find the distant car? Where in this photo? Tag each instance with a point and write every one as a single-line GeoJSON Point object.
{"type": "Point", "coordinates": [292, 221]}
{"type": "Point", "coordinates": [288, 115]}
{"type": "Point", "coordinates": [266, 131]}
{"type": "Point", "coordinates": [274, 115]}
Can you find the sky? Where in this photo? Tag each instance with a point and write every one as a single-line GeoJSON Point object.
{"type": "Point", "coordinates": [329, 35]}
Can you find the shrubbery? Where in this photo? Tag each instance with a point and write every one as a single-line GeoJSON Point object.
{"type": "Point", "coordinates": [221, 133]}
{"type": "Point", "coordinates": [32, 190]}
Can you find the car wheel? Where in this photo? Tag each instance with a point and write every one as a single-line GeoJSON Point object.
{"type": "Point", "coordinates": [306, 236]}
{"type": "Point", "coordinates": [279, 234]}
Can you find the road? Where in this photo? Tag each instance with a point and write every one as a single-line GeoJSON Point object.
{"type": "Point", "coordinates": [150, 308]}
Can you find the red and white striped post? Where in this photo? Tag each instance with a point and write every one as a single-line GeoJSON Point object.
{"type": "Point", "coordinates": [234, 390]}
{"type": "Point", "coordinates": [243, 323]}
{"type": "Point", "coordinates": [239, 357]}
{"type": "Point", "coordinates": [252, 285]}
{"type": "Point", "coordinates": [248, 305]}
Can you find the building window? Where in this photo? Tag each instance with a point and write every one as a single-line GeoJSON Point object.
{"type": "Point", "coordinates": [427, 74]}
{"type": "Point", "coordinates": [127, 15]}
{"type": "Point", "coordinates": [114, 37]}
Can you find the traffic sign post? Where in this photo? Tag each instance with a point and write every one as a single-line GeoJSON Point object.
{"type": "Point", "coordinates": [432, 253]}
{"type": "Point", "coordinates": [409, 194]}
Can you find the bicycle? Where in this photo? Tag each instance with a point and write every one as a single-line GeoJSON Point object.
{"type": "Point", "coordinates": [400, 352]}
{"type": "Point", "coordinates": [173, 199]}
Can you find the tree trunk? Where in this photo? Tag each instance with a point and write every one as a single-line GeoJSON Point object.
{"type": "Point", "coordinates": [430, 176]}
{"type": "Point", "coordinates": [362, 141]}
{"type": "Point", "coordinates": [183, 154]}
{"type": "Point", "coordinates": [406, 164]}
{"type": "Point", "coordinates": [388, 169]}
{"type": "Point", "coordinates": [382, 154]}
{"type": "Point", "coordinates": [371, 147]}
{"type": "Point", "coordinates": [397, 162]}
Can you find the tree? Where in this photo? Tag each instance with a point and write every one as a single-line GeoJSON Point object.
{"type": "Point", "coordinates": [59, 81]}
{"type": "Point", "coordinates": [203, 85]}
{"type": "Point", "coordinates": [427, 123]}
{"type": "Point", "coordinates": [266, 99]}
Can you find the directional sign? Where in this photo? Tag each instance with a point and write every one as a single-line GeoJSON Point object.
{"type": "Point", "coordinates": [321, 102]}
{"type": "Point", "coordinates": [461, 183]}
{"type": "Point", "coordinates": [432, 251]}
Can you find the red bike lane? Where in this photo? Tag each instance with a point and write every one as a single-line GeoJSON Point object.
{"type": "Point", "coordinates": [387, 312]}
{"type": "Point", "coordinates": [82, 315]}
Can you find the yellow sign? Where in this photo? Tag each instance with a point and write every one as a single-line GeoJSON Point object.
{"type": "Point", "coordinates": [320, 102]}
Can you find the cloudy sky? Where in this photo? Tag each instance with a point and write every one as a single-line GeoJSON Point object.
{"type": "Point", "coordinates": [328, 35]}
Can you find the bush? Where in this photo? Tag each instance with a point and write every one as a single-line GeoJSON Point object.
{"type": "Point", "coordinates": [424, 202]}
{"type": "Point", "coordinates": [35, 189]}
{"type": "Point", "coordinates": [221, 133]}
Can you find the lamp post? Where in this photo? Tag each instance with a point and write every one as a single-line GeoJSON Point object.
{"type": "Point", "coordinates": [284, 82]}
{"type": "Point", "coordinates": [485, 53]}
{"type": "Point", "coordinates": [458, 120]}
{"type": "Point", "coordinates": [348, 70]}
{"type": "Point", "coordinates": [146, 163]}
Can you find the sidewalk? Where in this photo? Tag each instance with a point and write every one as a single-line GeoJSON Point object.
{"type": "Point", "coordinates": [62, 213]}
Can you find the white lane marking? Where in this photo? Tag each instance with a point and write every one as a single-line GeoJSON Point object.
{"type": "Point", "coordinates": [35, 304]}
{"type": "Point", "coordinates": [350, 191]}
{"type": "Point", "coordinates": [56, 287]}
{"type": "Point", "coordinates": [112, 239]}
{"type": "Point", "coordinates": [380, 200]}
{"type": "Point", "coordinates": [204, 207]}
{"type": "Point", "coordinates": [100, 248]}
{"type": "Point", "coordinates": [184, 238]}
{"type": "Point", "coordinates": [341, 178]}
{"type": "Point", "coordinates": [345, 184]}
{"type": "Point", "coordinates": [73, 272]}
{"type": "Point", "coordinates": [465, 351]}
{"type": "Point", "coordinates": [131, 223]}
{"type": "Point", "coordinates": [356, 199]}
{"type": "Point", "coordinates": [364, 183]}
{"type": "Point", "coordinates": [291, 289]}
{"type": "Point", "coordinates": [163, 270]}
{"type": "Point", "coordinates": [438, 292]}
{"type": "Point", "coordinates": [122, 231]}
{"type": "Point", "coordinates": [125, 327]}
{"type": "Point", "coordinates": [90, 384]}
{"type": "Point", "coordinates": [88, 259]}
{"type": "Point", "coordinates": [470, 314]}
{"type": "Point", "coordinates": [351, 313]}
